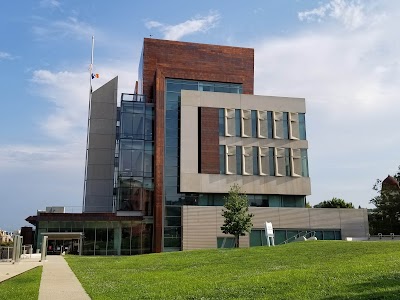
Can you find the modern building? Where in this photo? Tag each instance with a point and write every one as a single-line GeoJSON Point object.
{"type": "Point", "coordinates": [159, 165]}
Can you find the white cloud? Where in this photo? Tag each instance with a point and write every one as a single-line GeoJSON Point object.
{"type": "Point", "coordinates": [351, 82]}
{"type": "Point", "coordinates": [71, 27]}
{"type": "Point", "coordinates": [351, 13]}
{"type": "Point", "coordinates": [196, 24]}
{"type": "Point", "coordinates": [68, 91]}
{"type": "Point", "coordinates": [50, 4]}
{"type": "Point", "coordinates": [6, 56]}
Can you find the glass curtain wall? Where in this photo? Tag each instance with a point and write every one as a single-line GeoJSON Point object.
{"type": "Point", "coordinates": [135, 176]}
{"type": "Point", "coordinates": [173, 199]}
{"type": "Point", "coordinates": [105, 237]}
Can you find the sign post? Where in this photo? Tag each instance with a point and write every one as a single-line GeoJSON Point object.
{"type": "Point", "coordinates": [269, 234]}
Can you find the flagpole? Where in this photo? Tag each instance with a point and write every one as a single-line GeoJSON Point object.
{"type": "Point", "coordinates": [88, 124]}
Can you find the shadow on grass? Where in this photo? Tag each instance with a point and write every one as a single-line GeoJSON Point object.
{"type": "Point", "coordinates": [383, 287]}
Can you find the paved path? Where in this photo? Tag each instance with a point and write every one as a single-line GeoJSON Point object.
{"type": "Point", "coordinates": [8, 270]}
{"type": "Point", "coordinates": [59, 282]}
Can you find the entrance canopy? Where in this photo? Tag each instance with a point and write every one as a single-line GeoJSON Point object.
{"type": "Point", "coordinates": [63, 235]}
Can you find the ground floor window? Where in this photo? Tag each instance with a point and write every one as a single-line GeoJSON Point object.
{"type": "Point", "coordinates": [225, 242]}
{"type": "Point", "coordinates": [257, 236]}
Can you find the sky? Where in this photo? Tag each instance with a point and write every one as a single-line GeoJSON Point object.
{"type": "Point", "coordinates": [342, 56]}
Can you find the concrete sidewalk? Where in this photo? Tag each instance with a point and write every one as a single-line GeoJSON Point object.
{"type": "Point", "coordinates": [59, 282]}
{"type": "Point", "coordinates": [8, 270]}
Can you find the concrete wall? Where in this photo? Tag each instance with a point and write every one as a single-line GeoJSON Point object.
{"type": "Point", "coordinates": [201, 224]}
{"type": "Point", "coordinates": [99, 179]}
{"type": "Point", "coordinates": [192, 181]}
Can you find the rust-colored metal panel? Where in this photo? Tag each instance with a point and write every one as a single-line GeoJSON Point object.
{"type": "Point", "coordinates": [159, 162]}
{"type": "Point", "coordinates": [209, 140]}
{"type": "Point", "coordinates": [207, 62]}
{"type": "Point", "coordinates": [170, 59]}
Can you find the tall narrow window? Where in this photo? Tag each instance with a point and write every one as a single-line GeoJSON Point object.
{"type": "Point", "coordinates": [222, 159]}
{"type": "Point", "coordinates": [271, 161]}
{"type": "Point", "coordinates": [270, 123]}
{"type": "Point", "coordinates": [255, 161]}
{"type": "Point", "coordinates": [238, 121]}
{"type": "Point", "coordinates": [221, 121]}
{"type": "Point", "coordinates": [304, 163]}
{"type": "Point", "coordinates": [278, 125]}
{"type": "Point", "coordinates": [254, 123]}
{"type": "Point", "coordinates": [288, 167]}
{"type": "Point", "coordinates": [302, 126]}
{"type": "Point", "coordinates": [285, 124]}
{"type": "Point", "coordinates": [239, 160]}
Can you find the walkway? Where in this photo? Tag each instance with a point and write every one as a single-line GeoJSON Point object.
{"type": "Point", "coordinates": [59, 282]}
{"type": "Point", "coordinates": [8, 270]}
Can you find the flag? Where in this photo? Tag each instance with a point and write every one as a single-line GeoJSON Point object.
{"type": "Point", "coordinates": [95, 76]}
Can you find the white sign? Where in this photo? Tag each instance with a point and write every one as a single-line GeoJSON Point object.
{"type": "Point", "coordinates": [269, 234]}
{"type": "Point", "coordinates": [269, 229]}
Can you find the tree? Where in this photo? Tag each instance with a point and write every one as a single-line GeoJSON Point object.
{"type": "Point", "coordinates": [334, 203]}
{"type": "Point", "coordinates": [385, 218]}
{"type": "Point", "coordinates": [237, 217]}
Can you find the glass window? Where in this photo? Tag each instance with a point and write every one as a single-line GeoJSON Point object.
{"type": "Point", "coordinates": [225, 242]}
{"type": "Point", "coordinates": [221, 120]}
{"type": "Point", "coordinates": [271, 162]}
{"type": "Point", "coordinates": [302, 126]}
{"type": "Point", "coordinates": [270, 125]}
{"type": "Point", "coordinates": [238, 122]}
{"type": "Point", "coordinates": [287, 162]}
{"type": "Point", "coordinates": [255, 161]}
{"type": "Point", "coordinates": [285, 121]}
{"type": "Point", "coordinates": [172, 243]}
{"type": "Point", "coordinates": [174, 211]}
{"type": "Point", "coordinates": [304, 163]}
{"type": "Point", "coordinates": [239, 160]}
{"type": "Point", "coordinates": [254, 123]}
{"type": "Point", "coordinates": [222, 159]}
{"type": "Point", "coordinates": [172, 221]}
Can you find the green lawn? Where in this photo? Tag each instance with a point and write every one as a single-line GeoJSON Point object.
{"type": "Point", "coordinates": [22, 287]}
{"type": "Point", "coordinates": [307, 270]}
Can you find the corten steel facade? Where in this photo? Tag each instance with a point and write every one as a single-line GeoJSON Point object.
{"type": "Point", "coordinates": [191, 130]}
{"type": "Point", "coordinates": [169, 59]}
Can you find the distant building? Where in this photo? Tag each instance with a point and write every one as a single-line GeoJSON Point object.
{"type": "Point", "coordinates": [5, 237]}
{"type": "Point", "coordinates": [159, 165]}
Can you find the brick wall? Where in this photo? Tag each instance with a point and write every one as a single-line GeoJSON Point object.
{"type": "Point", "coordinates": [209, 140]}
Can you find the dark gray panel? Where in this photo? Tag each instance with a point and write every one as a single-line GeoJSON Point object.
{"type": "Point", "coordinates": [100, 172]}
{"type": "Point", "coordinates": [103, 111]}
{"type": "Point", "coordinates": [99, 187]}
{"type": "Point", "coordinates": [100, 156]}
{"type": "Point", "coordinates": [101, 141]}
{"type": "Point", "coordinates": [98, 204]}
{"type": "Point", "coordinates": [100, 163]}
{"type": "Point", "coordinates": [103, 126]}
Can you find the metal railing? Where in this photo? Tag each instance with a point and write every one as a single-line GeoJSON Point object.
{"type": "Point", "coordinates": [6, 253]}
{"type": "Point", "coordinates": [384, 237]}
{"type": "Point", "coordinates": [305, 234]}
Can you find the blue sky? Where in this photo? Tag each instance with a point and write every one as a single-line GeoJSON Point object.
{"type": "Point", "coordinates": [342, 56]}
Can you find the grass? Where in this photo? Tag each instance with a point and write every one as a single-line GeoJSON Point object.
{"type": "Point", "coordinates": [22, 287]}
{"type": "Point", "coordinates": [308, 270]}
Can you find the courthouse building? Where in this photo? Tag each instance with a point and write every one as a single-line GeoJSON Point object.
{"type": "Point", "coordinates": [159, 165]}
